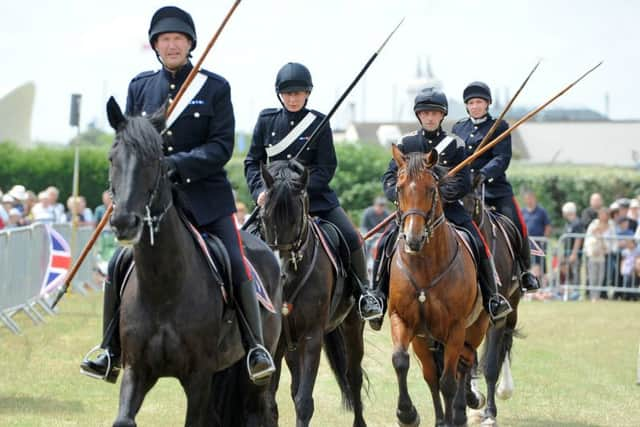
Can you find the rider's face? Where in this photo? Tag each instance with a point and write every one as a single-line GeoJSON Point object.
{"type": "Point", "coordinates": [173, 49]}
{"type": "Point", "coordinates": [430, 119]}
{"type": "Point", "coordinates": [294, 101]}
{"type": "Point", "coordinates": [477, 107]}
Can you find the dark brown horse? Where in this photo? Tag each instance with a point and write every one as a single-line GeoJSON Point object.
{"type": "Point", "coordinates": [173, 318]}
{"type": "Point", "coordinates": [318, 308]}
{"type": "Point", "coordinates": [504, 240]}
{"type": "Point", "coordinates": [433, 297]}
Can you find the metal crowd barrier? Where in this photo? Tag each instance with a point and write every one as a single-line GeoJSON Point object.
{"type": "Point", "coordinates": [24, 257]}
{"type": "Point", "coordinates": [574, 280]}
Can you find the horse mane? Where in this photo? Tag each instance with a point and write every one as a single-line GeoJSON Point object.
{"type": "Point", "coordinates": [287, 185]}
{"type": "Point", "coordinates": [142, 135]}
{"type": "Point", "coordinates": [417, 164]}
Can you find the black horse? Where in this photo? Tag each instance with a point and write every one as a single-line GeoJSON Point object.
{"type": "Point", "coordinates": [318, 306]}
{"type": "Point", "coordinates": [174, 321]}
{"type": "Point", "coordinates": [504, 240]}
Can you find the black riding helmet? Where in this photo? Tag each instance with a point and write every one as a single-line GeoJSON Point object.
{"type": "Point", "coordinates": [293, 77]}
{"type": "Point", "coordinates": [171, 19]}
{"type": "Point", "coordinates": [476, 90]}
{"type": "Point", "coordinates": [430, 99]}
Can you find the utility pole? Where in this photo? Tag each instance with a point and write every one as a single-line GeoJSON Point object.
{"type": "Point", "coordinates": [74, 121]}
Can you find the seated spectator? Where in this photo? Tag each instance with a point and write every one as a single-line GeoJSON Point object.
{"type": "Point", "coordinates": [590, 213]}
{"type": "Point", "coordinates": [19, 195]}
{"type": "Point", "coordinates": [28, 204]}
{"type": "Point", "coordinates": [43, 211]}
{"type": "Point", "coordinates": [15, 218]}
{"type": "Point", "coordinates": [100, 210]}
{"type": "Point", "coordinates": [597, 245]}
{"type": "Point", "coordinates": [78, 207]}
{"type": "Point", "coordinates": [374, 214]}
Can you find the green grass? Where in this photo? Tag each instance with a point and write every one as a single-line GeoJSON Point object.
{"type": "Point", "coordinates": [576, 367]}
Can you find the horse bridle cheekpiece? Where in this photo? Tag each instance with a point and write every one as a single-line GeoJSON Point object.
{"type": "Point", "coordinates": [430, 222]}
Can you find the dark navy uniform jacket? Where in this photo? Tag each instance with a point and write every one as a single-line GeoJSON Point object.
{"type": "Point", "coordinates": [273, 125]}
{"type": "Point", "coordinates": [200, 141]}
{"type": "Point", "coordinates": [451, 155]}
{"type": "Point", "coordinates": [494, 163]}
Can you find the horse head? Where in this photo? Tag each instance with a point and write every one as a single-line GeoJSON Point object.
{"type": "Point", "coordinates": [417, 196]}
{"type": "Point", "coordinates": [284, 214]}
{"type": "Point", "coordinates": [137, 173]}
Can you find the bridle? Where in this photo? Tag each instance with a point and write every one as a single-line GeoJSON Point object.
{"type": "Point", "coordinates": [431, 223]}
{"type": "Point", "coordinates": [297, 247]}
{"type": "Point", "coordinates": [150, 219]}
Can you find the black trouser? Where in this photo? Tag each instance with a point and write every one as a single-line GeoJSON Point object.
{"type": "Point", "coordinates": [508, 206]}
{"type": "Point", "coordinates": [225, 229]}
{"type": "Point", "coordinates": [339, 217]}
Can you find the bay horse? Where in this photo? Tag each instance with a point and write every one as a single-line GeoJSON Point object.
{"type": "Point", "coordinates": [318, 305]}
{"type": "Point", "coordinates": [173, 317]}
{"type": "Point", "coordinates": [504, 240]}
{"type": "Point", "coordinates": [434, 299]}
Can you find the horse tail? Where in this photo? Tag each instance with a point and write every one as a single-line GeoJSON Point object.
{"type": "Point", "coordinates": [504, 350]}
{"type": "Point", "coordinates": [336, 351]}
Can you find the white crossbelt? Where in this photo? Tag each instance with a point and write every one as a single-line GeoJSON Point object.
{"type": "Point", "coordinates": [291, 136]}
{"type": "Point", "coordinates": [444, 144]}
{"type": "Point", "coordinates": [196, 84]}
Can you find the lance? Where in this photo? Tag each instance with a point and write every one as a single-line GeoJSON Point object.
{"type": "Point", "coordinates": [490, 145]}
{"type": "Point", "coordinates": [513, 127]}
{"type": "Point", "coordinates": [109, 211]}
{"type": "Point", "coordinates": [506, 109]}
{"type": "Point", "coordinates": [326, 118]}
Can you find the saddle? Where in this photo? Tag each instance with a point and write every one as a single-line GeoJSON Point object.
{"type": "Point", "coordinates": [333, 243]}
{"type": "Point", "coordinates": [472, 245]}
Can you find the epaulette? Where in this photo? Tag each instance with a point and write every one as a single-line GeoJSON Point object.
{"type": "Point", "coordinates": [462, 120]}
{"type": "Point", "coordinates": [269, 112]}
{"type": "Point", "coordinates": [144, 75]}
{"type": "Point", "coordinates": [212, 75]}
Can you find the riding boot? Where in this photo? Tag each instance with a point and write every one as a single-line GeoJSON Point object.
{"type": "Point", "coordinates": [369, 304]}
{"type": "Point", "coordinates": [259, 362]}
{"type": "Point", "coordinates": [107, 365]}
{"type": "Point", "coordinates": [380, 289]}
{"type": "Point", "coordinates": [528, 281]}
{"type": "Point", "coordinates": [496, 305]}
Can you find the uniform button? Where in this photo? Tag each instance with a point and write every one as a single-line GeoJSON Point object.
{"type": "Point", "coordinates": [196, 114]}
{"type": "Point", "coordinates": [144, 113]}
{"type": "Point", "coordinates": [430, 141]}
{"type": "Point", "coordinates": [444, 162]}
{"type": "Point", "coordinates": [170, 148]}
{"type": "Point", "coordinates": [490, 180]}
{"type": "Point", "coordinates": [188, 180]}
{"type": "Point", "coordinates": [473, 170]}
{"type": "Point", "coordinates": [470, 135]}
{"type": "Point", "coordinates": [308, 148]}
{"type": "Point", "coordinates": [288, 156]}
{"type": "Point", "coordinates": [169, 133]}
{"type": "Point", "coordinates": [270, 145]}
{"type": "Point", "coordinates": [469, 147]}
{"type": "Point", "coordinates": [273, 134]}
{"type": "Point", "coordinates": [172, 86]}
{"type": "Point", "coordinates": [475, 127]}
{"type": "Point", "coordinates": [170, 100]}
{"type": "Point", "coordinates": [292, 123]}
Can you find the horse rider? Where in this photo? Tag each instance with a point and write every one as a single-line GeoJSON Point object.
{"type": "Point", "coordinates": [196, 147]}
{"type": "Point", "coordinates": [431, 107]}
{"type": "Point", "coordinates": [489, 169]}
{"type": "Point", "coordinates": [278, 135]}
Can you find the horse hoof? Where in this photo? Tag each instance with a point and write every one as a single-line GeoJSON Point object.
{"type": "Point", "coordinates": [124, 423]}
{"type": "Point", "coordinates": [414, 423]}
{"type": "Point", "coordinates": [476, 400]}
{"type": "Point", "coordinates": [489, 422]}
{"type": "Point", "coordinates": [474, 416]}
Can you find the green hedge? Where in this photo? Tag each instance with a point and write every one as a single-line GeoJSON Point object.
{"type": "Point", "coordinates": [357, 180]}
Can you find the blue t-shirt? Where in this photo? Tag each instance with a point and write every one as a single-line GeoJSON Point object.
{"type": "Point", "coordinates": [536, 220]}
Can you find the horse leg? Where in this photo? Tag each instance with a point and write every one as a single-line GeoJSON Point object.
{"type": "Point", "coordinates": [135, 386]}
{"type": "Point", "coordinates": [430, 375]}
{"type": "Point", "coordinates": [448, 384]}
{"type": "Point", "coordinates": [354, 343]}
{"type": "Point", "coordinates": [308, 363]}
{"type": "Point", "coordinates": [467, 358]}
{"type": "Point", "coordinates": [401, 336]}
{"type": "Point", "coordinates": [492, 365]}
{"type": "Point", "coordinates": [197, 387]}
{"type": "Point", "coordinates": [272, 405]}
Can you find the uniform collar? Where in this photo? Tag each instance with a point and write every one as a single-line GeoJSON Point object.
{"type": "Point", "coordinates": [180, 75]}
{"type": "Point", "coordinates": [432, 134]}
{"type": "Point", "coordinates": [295, 117]}
{"type": "Point", "coordinates": [481, 119]}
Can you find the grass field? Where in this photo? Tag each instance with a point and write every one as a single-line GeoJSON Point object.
{"type": "Point", "coordinates": [576, 367]}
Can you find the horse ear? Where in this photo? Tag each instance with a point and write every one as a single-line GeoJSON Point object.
{"type": "Point", "coordinates": [267, 179]}
{"type": "Point", "coordinates": [398, 156]}
{"type": "Point", "coordinates": [114, 114]}
{"type": "Point", "coordinates": [431, 158]}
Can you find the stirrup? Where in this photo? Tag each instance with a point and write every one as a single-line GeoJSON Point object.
{"type": "Point", "coordinates": [498, 297]}
{"type": "Point", "coordinates": [265, 373]}
{"type": "Point", "coordinates": [112, 372]}
{"type": "Point", "coordinates": [377, 306]}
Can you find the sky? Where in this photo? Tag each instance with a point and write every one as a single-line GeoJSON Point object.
{"type": "Point", "coordinates": [96, 47]}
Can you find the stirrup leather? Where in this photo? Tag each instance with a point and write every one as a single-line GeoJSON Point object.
{"type": "Point", "coordinates": [112, 372]}
{"type": "Point", "coordinates": [377, 303]}
{"type": "Point", "coordinates": [255, 377]}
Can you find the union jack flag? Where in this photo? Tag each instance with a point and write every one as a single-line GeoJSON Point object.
{"type": "Point", "coordinates": [59, 261]}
